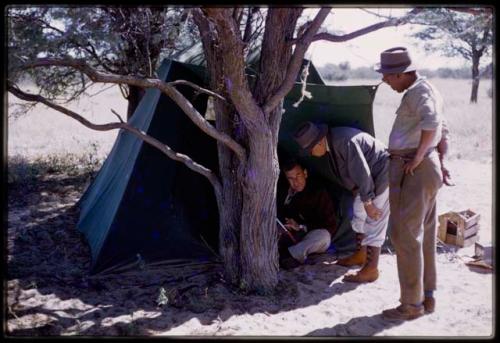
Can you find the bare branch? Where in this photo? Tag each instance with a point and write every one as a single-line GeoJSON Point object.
{"type": "Point", "coordinates": [186, 160]}
{"type": "Point", "coordinates": [248, 28]}
{"type": "Point", "coordinates": [376, 14]}
{"type": "Point", "coordinates": [391, 22]}
{"type": "Point", "coordinates": [302, 44]}
{"type": "Point", "coordinates": [198, 88]}
{"type": "Point", "coordinates": [169, 90]}
{"type": "Point", "coordinates": [102, 90]}
{"type": "Point", "coordinates": [237, 13]}
{"type": "Point", "coordinates": [116, 114]}
{"type": "Point", "coordinates": [125, 92]}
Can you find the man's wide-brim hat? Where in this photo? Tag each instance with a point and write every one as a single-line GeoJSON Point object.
{"type": "Point", "coordinates": [308, 135]}
{"type": "Point", "coordinates": [395, 60]}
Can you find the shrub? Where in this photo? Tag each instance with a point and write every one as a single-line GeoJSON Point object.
{"type": "Point", "coordinates": [21, 170]}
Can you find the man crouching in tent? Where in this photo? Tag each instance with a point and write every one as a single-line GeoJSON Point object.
{"type": "Point", "coordinates": [308, 215]}
{"type": "Point", "coordinates": [361, 163]}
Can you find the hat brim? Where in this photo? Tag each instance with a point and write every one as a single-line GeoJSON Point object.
{"type": "Point", "coordinates": [323, 129]}
{"type": "Point", "coordinates": [397, 70]}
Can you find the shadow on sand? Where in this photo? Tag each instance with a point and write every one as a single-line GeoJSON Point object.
{"type": "Point", "coordinates": [49, 260]}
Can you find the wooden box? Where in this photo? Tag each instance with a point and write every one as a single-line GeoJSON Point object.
{"type": "Point", "coordinates": [459, 228]}
{"type": "Point", "coordinates": [483, 251]}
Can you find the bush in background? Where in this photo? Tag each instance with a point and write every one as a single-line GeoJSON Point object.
{"type": "Point", "coordinates": [21, 170]}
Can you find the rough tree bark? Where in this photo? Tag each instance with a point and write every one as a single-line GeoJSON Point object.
{"type": "Point", "coordinates": [256, 177]}
{"type": "Point", "coordinates": [230, 167]}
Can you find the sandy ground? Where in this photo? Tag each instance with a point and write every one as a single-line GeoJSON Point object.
{"type": "Point", "coordinates": [48, 292]}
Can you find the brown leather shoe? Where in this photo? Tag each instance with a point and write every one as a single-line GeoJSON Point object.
{"type": "Point", "coordinates": [429, 304]}
{"type": "Point", "coordinates": [369, 272]}
{"type": "Point", "coordinates": [362, 276]}
{"type": "Point", "coordinates": [403, 312]}
{"type": "Point", "coordinates": [359, 256]}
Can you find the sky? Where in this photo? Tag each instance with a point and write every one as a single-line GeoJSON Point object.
{"type": "Point", "coordinates": [365, 50]}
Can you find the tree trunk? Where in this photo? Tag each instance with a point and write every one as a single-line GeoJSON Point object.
{"type": "Point", "coordinates": [248, 208]}
{"type": "Point", "coordinates": [230, 213]}
{"type": "Point", "coordinates": [135, 95]}
{"type": "Point", "coordinates": [475, 77]}
{"type": "Point", "coordinates": [231, 203]}
{"type": "Point", "coordinates": [259, 241]}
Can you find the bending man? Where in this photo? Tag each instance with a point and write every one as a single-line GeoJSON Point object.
{"type": "Point", "coordinates": [361, 163]}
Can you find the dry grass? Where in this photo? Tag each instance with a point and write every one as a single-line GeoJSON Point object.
{"type": "Point", "coordinates": [471, 125]}
{"type": "Point", "coordinates": [44, 131]}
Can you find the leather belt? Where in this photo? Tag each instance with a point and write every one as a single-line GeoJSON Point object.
{"type": "Point", "coordinates": [407, 154]}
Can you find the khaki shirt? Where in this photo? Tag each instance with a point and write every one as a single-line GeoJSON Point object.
{"type": "Point", "coordinates": [421, 109]}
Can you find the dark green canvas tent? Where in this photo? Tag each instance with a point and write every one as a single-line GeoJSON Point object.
{"type": "Point", "coordinates": [145, 207]}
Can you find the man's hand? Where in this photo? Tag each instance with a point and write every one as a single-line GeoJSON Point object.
{"type": "Point", "coordinates": [372, 211]}
{"type": "Point", "coordinates": [410, 166]}
{"type": "Point", "coordinates": [292, 224]}
{"type": "Point", "coordinates": [446, 175]}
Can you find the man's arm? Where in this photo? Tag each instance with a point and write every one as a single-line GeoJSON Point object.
{"type": "Point", "coordinates": [360, 173]}
{"type": "Point", "coordinates": [428, 110]}
{"type": "Point", "coordinates": [442, 149]}
{"type": "Point", "coordinates": [426, 139]}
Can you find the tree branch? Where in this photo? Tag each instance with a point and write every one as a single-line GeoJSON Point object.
{"type": "Point", "coordinates": [116, 114]}
{"type": "Point", "coordinates": [198, 88]}
{"type": "Point", "coordinates": [174, 94]}
{"type": "Point", "coordinates": [302, 44]}
{"type": "Point", "coordinates": [186, 160]}
{"type": "Point", "coordinates": [248, 28]}
{"type": "Point", "coordinates": [233, 63]}
{"type": "Point", "coordinates": [391, 22]}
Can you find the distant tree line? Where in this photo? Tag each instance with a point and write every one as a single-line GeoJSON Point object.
{"type": "Point", "coordinates": [343, 71]}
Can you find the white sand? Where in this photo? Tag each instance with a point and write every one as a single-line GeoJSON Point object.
{"type": "Point", "coordinates": [315, 302]}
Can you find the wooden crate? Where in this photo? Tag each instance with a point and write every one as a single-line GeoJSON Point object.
{"type": "Point", "coordinates": [459, 228]}
{"type": "Point", "coordinates": [483, 250]}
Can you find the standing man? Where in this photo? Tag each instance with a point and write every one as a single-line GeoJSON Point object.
{"type": "Point", "coordinates": [308, 213]}
{"type": "Point", "coordinates": [415, 176]}
{"type": "Point", "coordinates": [361, 163]}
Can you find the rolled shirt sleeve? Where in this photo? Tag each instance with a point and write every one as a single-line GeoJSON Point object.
{"type": "Point", "coordinates": [427, 110]}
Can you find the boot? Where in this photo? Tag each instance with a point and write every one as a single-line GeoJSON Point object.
{"type": "Point", "coordinates": [429, 304]}
{"type": "Point", "coordinates": [369, 272]}
{"type": "Point", "coordinates": [359, 256]}
{"type": "Point", "coordinates": [403, 312]}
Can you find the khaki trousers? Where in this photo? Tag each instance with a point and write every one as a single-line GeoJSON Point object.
{"type": "Point", "coordinates": [374, 230]}
{"type": "Point", "coordinates": [316, 241]}
{"type": "Point", "coordinates": [413, 220]}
